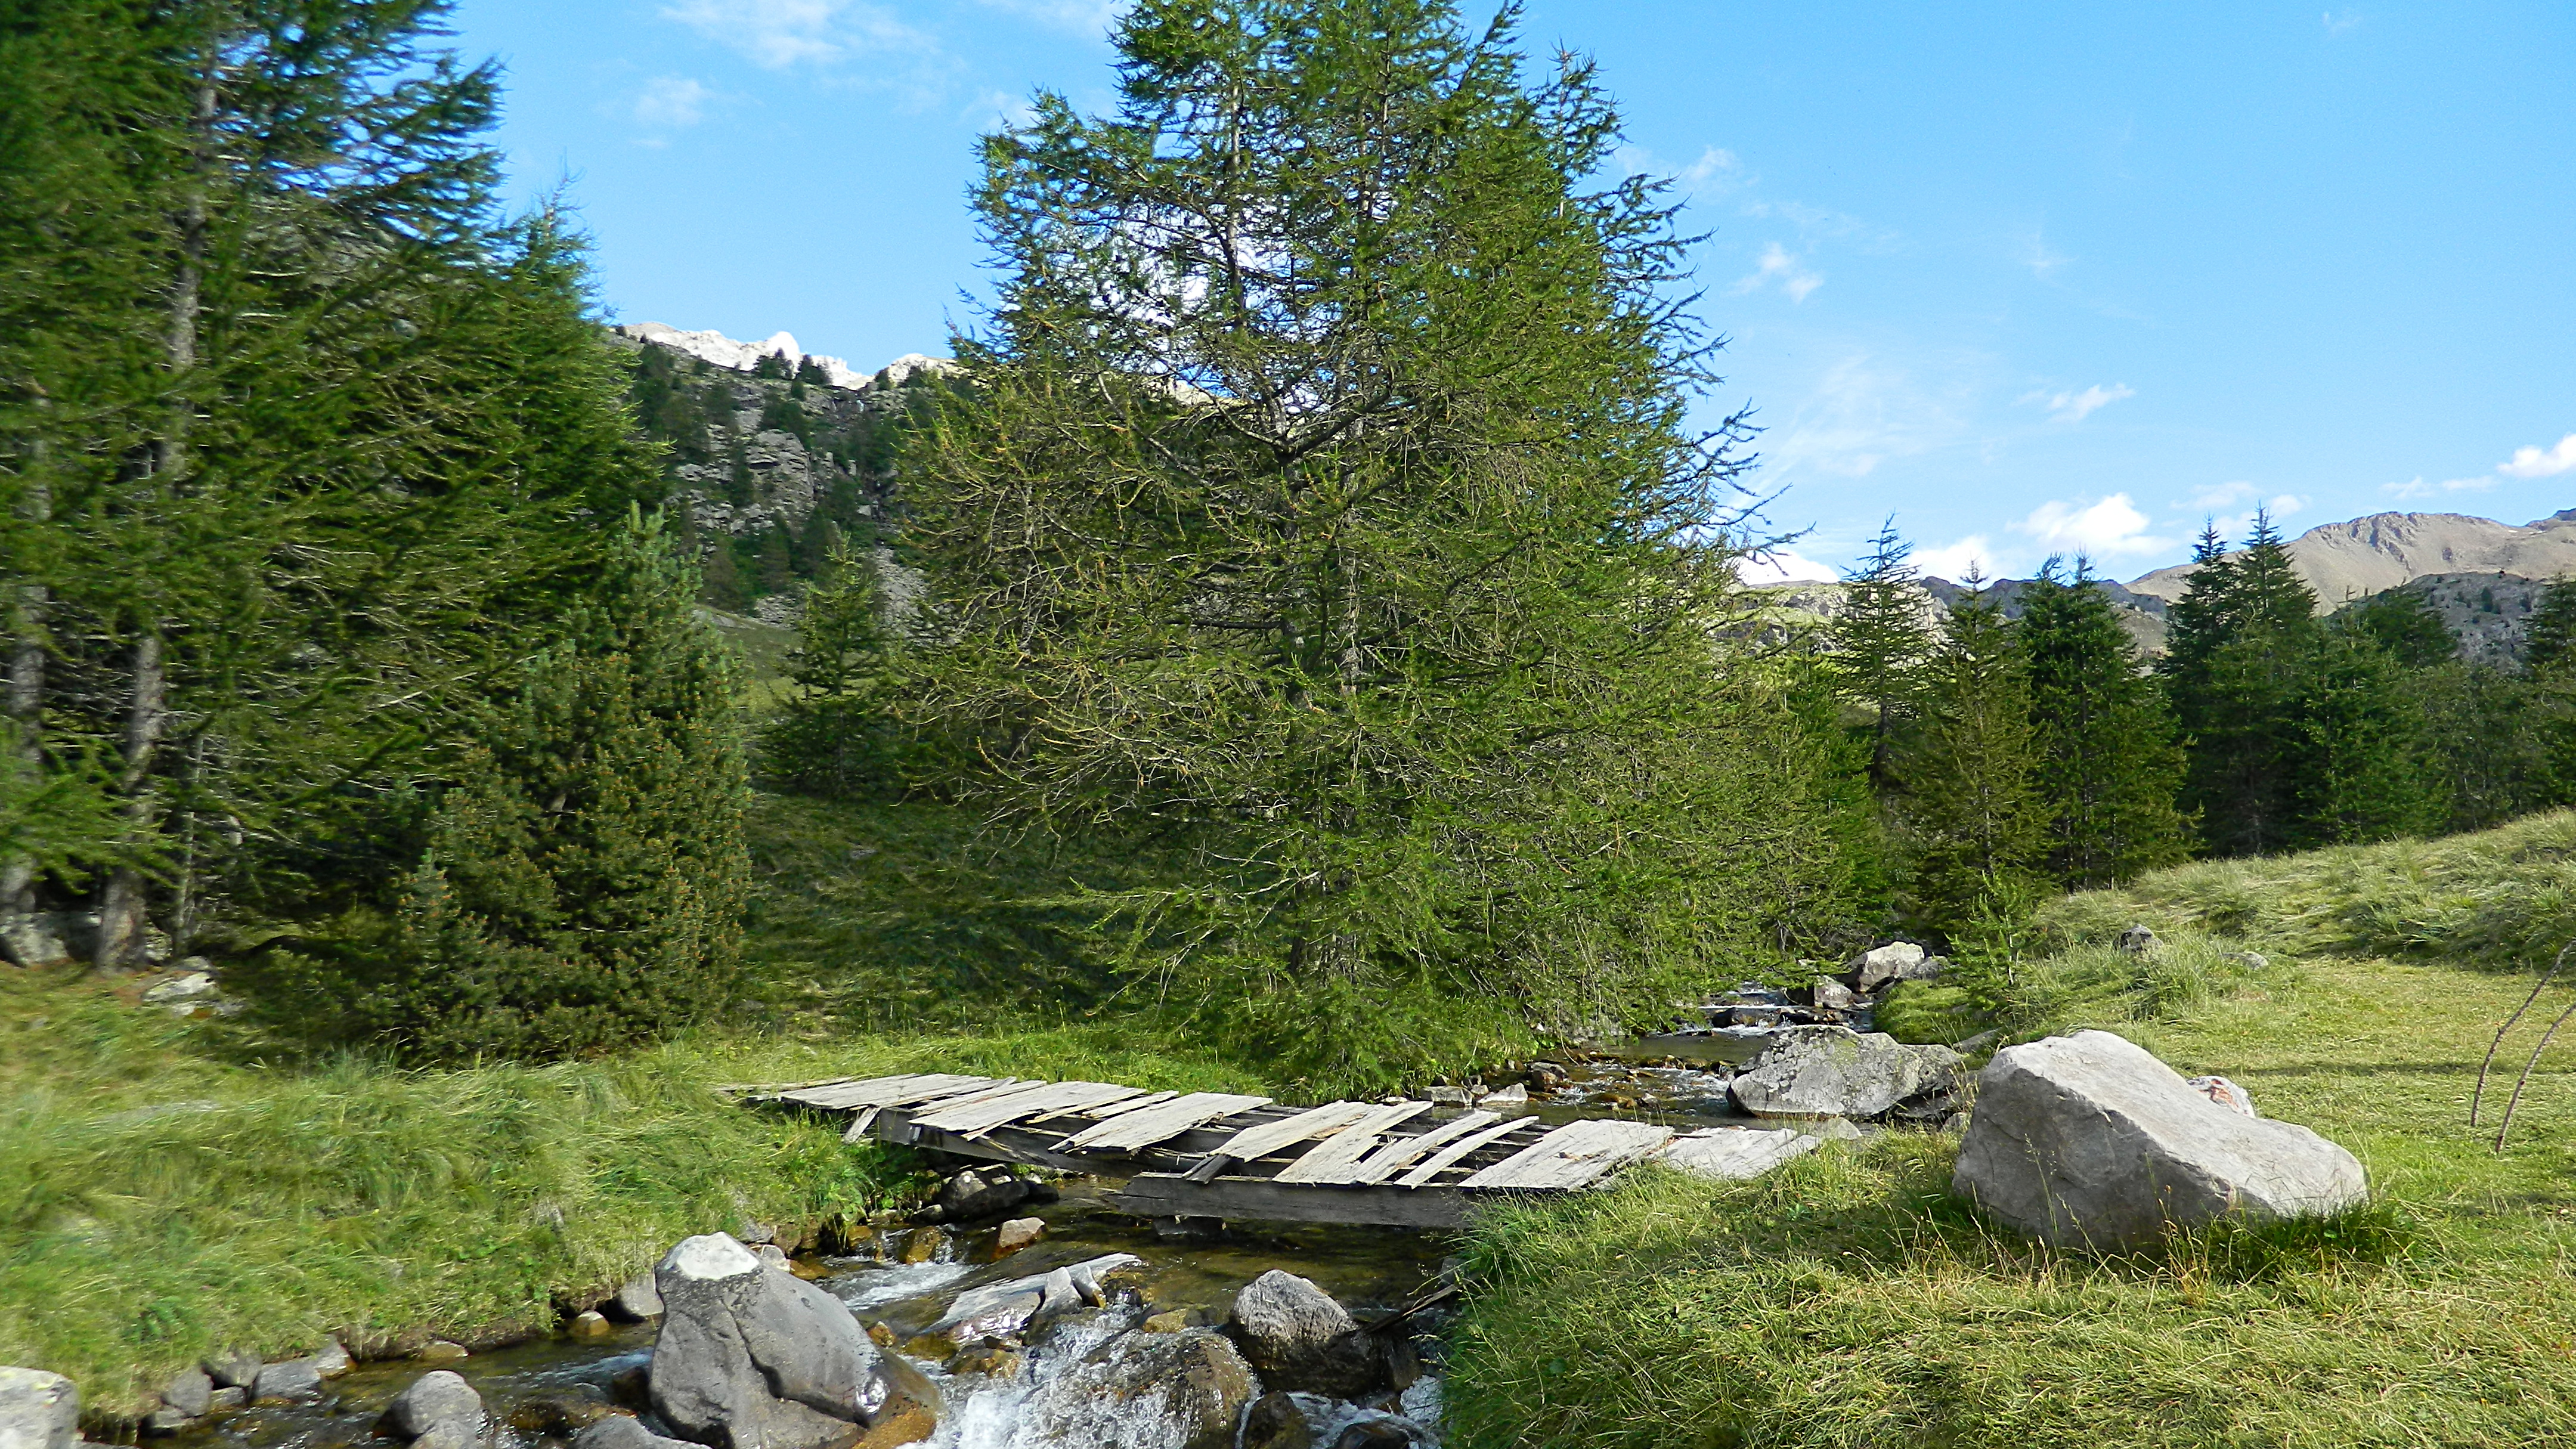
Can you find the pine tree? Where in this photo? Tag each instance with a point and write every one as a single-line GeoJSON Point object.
{"type": "Point", "coordinates": [2362, 769]}
{"type": "Point", "coordinates": [1973, 819]}
{"type": "Point", "coordinates": [584, 877]}
{"type": "Point", "coordinates": [2109, 768]}
{"type": "Point", "coordinates": [2549, 640]}
{"type": "Point", "coordinates": [839, 735]}
{"type": "Point", "coordinates": [810, 373]}
{"type": "Point", "coordinates": [773, 365]}
{"type": "Point", "coordinates": [1881, 642]}
{"type": "Point", "coordinates": [1321, 510]}
{"type": "Point", "coordinates": [2237, 644]}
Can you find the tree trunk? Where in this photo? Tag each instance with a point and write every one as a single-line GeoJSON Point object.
{"type": "Point", "coordinates": [26, 703]}
{"type": "Point", "coordinates": [120, 912]}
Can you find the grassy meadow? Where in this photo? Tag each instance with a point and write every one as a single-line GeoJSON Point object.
{"type": "Point", "coordinates": [1848, 1301]}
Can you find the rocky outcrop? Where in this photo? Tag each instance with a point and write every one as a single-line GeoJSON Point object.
{"type": "Point", "coordinates": [1183, 1390]}
{"type": "Point", "coordinates": [1832, 1071]}
{"type": "Point", "coordinates": [2089, 1140]}
{"type": "Point", "coordinates": [38, 1410]}
{"type": "Point", "coordinates": [1298, 1337]}
{"type": "Point", "coordinates": [753, 1358]}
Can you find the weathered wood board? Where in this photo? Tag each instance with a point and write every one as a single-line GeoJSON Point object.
{"type": "Point", "coordinates": [1574, 1155]}
{"type": "Point", "coordinates": [1130, 1131]}
{"type": "Point", "coordinates": [1332, 1159]}
{"type": "Point", "coordinates": [1168, 1195]}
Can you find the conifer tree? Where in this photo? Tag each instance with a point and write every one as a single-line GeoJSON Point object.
{"type": "Point", "coordinates": [1973, 817]}
{"type": "Point", "coordinates": [584, 877]}
{"type": "Point", "coordinates": [2402, 623]}
{"type": "Point", "coordinates": [1881, 642]}
{"type": "Point", "coordinates": [1320, 508]}
{"type": "Point", "coordinates": [2237, 644]}
{"type": "Point", "coordinates": [2549, 640]}
{"type": "Point", "coordinates": [2362, 769]}
{"type": "Point", "coordinates": [839, 735]}
{"type": "Point", "coordinates": [2108, 767]}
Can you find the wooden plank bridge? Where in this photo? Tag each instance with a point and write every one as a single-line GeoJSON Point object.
{"type": "Point", "coordinates": [1225, 1155]}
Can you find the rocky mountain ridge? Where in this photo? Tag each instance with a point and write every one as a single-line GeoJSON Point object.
{"type": "Point", "coordinates": [2363, 556]}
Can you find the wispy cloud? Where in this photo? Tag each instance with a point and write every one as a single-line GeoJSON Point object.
{"type": "Point", "coordinates": [2105, 529]}
{"type": "Point", "coordinates": [1087, 16]}
{"type": "Point", "coordinates": [670, 103]}
{"type": "Point", "coordinates": [1779, 265]}
{"type": "Point", "coordinates": [1864, 410]}
{"type": "Point", "coordinates": [2074, 407]}
{"type": "Point", "coordinates": [2541, 462]}
{"type": "Point", "coordinates": [2416, 487]}
{"type": "Point", "coordinates": [2043, 260]}
{"type": "Point", "coordinates": [778, 34]}
{"type": "Point", "coordinates": [1781, 566]}
{"type": "Point", "coordinates": [2338, 24]}
{"type": "Point", "coordinates": [2220, 495]}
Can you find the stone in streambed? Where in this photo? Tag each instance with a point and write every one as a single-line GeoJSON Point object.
{"type": "Point", "coordinates": [38, 1410]}
{"type": "Point", "coordinates": [2089, 1139]}
{"type": "Point", "coordinates": [1000, 1310]}
{"type": "Point", "coordinates": [1834, 995]}
{"type": "Point", "coordinates": [1871, 970]}
{"type": "Point", "coordinates": [983, 1194]}
{"type": "Point", "coordinates": [590, 1324]}
{"type": "Point", "coordinates": [1279, 1421]}
{"type": "Point", "coordinates": [295, 1381]}
{"type": "Point", "coordinates": [637, 1299]}
{"type": "Point", "coordinates": [1385, 1431]}
{"type": "Point", "coordinates": [233, 1368]}
{"type": "Point", "coordinates": [1016, 1234]}
{"type": "Point", "coordinates": [1297, 1337]}
{"type": "Point", "coordinates": [1832, 1071]}
{"type": "Point", "coordinates": [623, 1431]}
{"type": "Point", "coordinates": [1182, 1390]}
{"type": "Point", "coordinates": [753, 1358]}
{"type": "Point", "coordinates": [439, 1397]}
{"type": "Point", "coordinates": [191, 1392]}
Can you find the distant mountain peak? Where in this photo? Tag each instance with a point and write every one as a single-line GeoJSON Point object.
{"type": "Point", "coordinates": [2378, 551]}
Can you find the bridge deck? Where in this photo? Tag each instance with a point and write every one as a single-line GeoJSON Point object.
{"type": "Point", "coordinates": [1224, 1155]}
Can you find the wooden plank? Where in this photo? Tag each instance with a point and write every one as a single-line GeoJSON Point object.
{"type": "Point", "coordinates": [1269, 1137]}
{"type": "Point", "coordinates": [1252, 1199]}
{"type": "Point", "coordinates": [900, 1091]}
{"type": "Point", "coordinates": [1382, 1164]}
{"type": "Point", "coordinates": [1573, 1155]}
{"type": "Point", "coordinates": [1115, 1109]}
{"type": "Point", "coordinates": [1463, 1147]}
{"type": "Point", "coordinates": [1731, 1154]}
{"type": "Point", "coordinates": [1129, 1131]}
{"type": "Point", "coordinates": [982, 1117]}
{"type": "Point", "coordinates": [1334, 1158]}
{"type": "Point", "coordinates": [1009, 1142]}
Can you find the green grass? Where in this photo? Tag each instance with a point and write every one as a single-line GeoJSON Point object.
{"type": "Point", "coordinates": [1849, 1301]}
{"type": "Point", "coordinates": [170, 1187]}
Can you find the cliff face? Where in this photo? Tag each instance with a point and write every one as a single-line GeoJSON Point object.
{"type": "Point", "coordinates": [2345, 561]}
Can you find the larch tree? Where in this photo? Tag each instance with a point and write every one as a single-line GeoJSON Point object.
{"type": "Point", "coordinates": [1320, 507]}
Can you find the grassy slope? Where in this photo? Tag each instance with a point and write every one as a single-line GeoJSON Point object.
{"type": "Point", "coordinates": [1846, 1301]}
{"type": "Point", "coordinates": [163, 1192]}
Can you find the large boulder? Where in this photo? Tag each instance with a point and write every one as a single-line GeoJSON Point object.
{"type": "Point", "coordinates": [1183, 1390]}
{"type": "Point", "coordinates": [38, 1410]}
{"type": "Point", "coordinates": [1871, 970]}
{"type": "Point", "coordinates": [2088, 1139]}
{"type": "Point", "coordinates": [1833, 1071]}
{"type": "Point", "coordinates": [752, 1358]}
{"type": "Point", "coordinates": [1298, 1337]}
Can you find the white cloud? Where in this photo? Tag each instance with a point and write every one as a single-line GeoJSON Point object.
{"type": "Point", "coordinates": [1781, 566]}
{"type": "Point", "coordinates": [1717, 169]}
{"type": "Point", "coordinates": [669, 102]}
{"type": "Point", "coordinates": [1952, 561]}
{"type": "Point", "coordinates": [1779, 265]}
{"type": "Point", "coordinates": [2105, 529]}
{"type": "Point", "coordinates": [2540, 463]}
{"type": "Point", "coordinates": [2221, 495]}
{"type": "Point", "coordinates": [782, 33]}
{"type": "Point", "coordinates": [2338, 24]}
{"type": "Point", "coordinates": [2417, 488]}
{"type": "Point", "coordinates": [2074, 407]}
{"type": "Point", "coordinates": [1088, 16]}
{"type": "Point", "coordinates": [2035, 254]}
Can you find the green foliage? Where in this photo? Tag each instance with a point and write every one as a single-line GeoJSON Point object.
{"type": "Point", "coordinates": [2236, 644]}
{"type": "Point", "coordinates": [2362, 768]}
{"type": "Point", "coordinates": [2108, 766]}
{"type": "Point", "coordinates": [2404, 625]}
{"type": "Point", "coordinates": [583, 882]}
{"type": "Point", "coordinates": [840, 735]}
{"type": "Point", "coordinates": [773, 365]}
{"type": "Point", "coordinates": [1880, 644]}
{"type": "Point", "coordinates": [1355, 553]}
{"type": "Point", "coordinates": [1972, 818]}
{"type": "Point", "coordinates": [2549, 641]}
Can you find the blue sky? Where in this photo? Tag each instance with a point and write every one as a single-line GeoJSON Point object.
{"type": "Point", "coordinates": [2031, 278]}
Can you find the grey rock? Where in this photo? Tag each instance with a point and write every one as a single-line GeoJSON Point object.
{"type": "Point", "coordinates": [1832, 1071]}
{"type": "Point", "coordinates": [167, 1420]}
{"type": "Point", "coordinates": [623, 1431]}
{"type": "Point", "coordinates": [2225, 1093]}
{"type": "Point", "coordinates": [2253, 960]}
{"type": "Point", "coordinates": [439, 1397]}
{"type": "Point", "coordinates": [2139, 941]}
{"type": "Point", "coordinates": [180, 989]}
{"type": "Point", "coordinates": [2089, 1139]}
{"type": "Point", "coordinates": [45, 938]}
{"type": "Point", "coordinates": [637, 1299]}
{"type": "Point", "coordinates": [38, 1410]}
{"type": "Point", "coordinates": [1927, 969]}
{"type": "Point", "coordinates": [1871, 970]}
{"type": "Point", "coordinates": [453, 1436]}
{"type": "Point", "coordinates": [1000, 1310]}
{"type": "Point", "coordinates": [772, 1256]}
{"type": "Point", "coordinates": [294, 1381]}
{"type": "Point", "coordinates": [982, 1194]}
{"type": "Point", "coordinates": [1299, 1338]}
{"type": "Point", "coordinates": [332, 1361]}
{"type": "Point", "coordinates": [190, 1392]}
{"type": "Point", "coordinates": [1515, 1095]}
{"type": "Point", "coordinates": [1016, 1234]}
{"type": "Point", "coordinates": [232, 1368]}
{"type": "Point", "coordinates": [1385, 1431]}
{"type": "Point", "coordinates": [1183, 1390]}
{"type": "Point", "coordinates": [1279, 1421]}
{"type": "Point", "coordinates": [752, 1358]}
{"type": "Point", "coordinates": [224, 1401]}
{"type": "Point", "coordinates": [1834, 996]}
